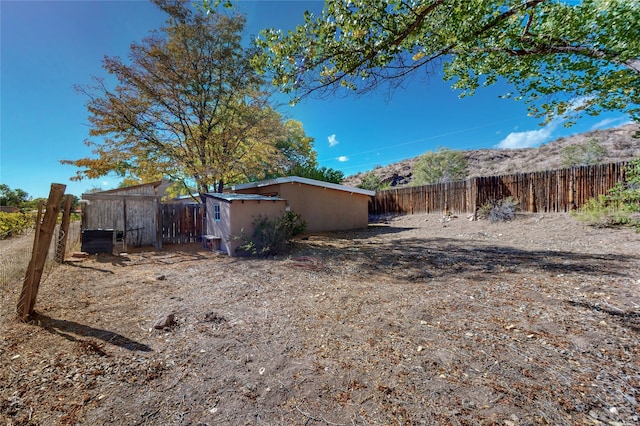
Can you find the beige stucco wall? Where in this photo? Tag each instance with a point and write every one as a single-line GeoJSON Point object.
{"type": "Point", "coordinates": [236, 216]}
{"type": "Point", "coordinates": [324, 209]}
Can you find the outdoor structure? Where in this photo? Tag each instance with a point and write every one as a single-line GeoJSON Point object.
{"type": "Point", "coordinates": [323, 206]}
{"type": "Point", "coordinates": [9, 209]}
{"type": "Point", "coordinates": [132, 213]}
{"type": "Point", "coordinates": [229, 215]}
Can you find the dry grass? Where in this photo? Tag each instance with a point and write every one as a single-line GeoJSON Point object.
{"type": "Point", "coordinates": [411, 321]}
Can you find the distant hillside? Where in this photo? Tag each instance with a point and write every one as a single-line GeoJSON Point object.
{"type": "Point", "coordinates": [619, 143]}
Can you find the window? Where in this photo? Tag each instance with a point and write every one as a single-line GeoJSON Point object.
{"type": "Point", "coordinates": [216, 212]}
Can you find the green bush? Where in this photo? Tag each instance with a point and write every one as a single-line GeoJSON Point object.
{"type": "Point", "coordinates": [371, 182]}
{"type": "Point", "coordinates": [270, 236]}
{"type": "Point", "coordinates": [586, 154]}
{"type": "Point", "coordinates": [499, 210]}
{"type": "Point", "coordinates": [604, 212]}
{"type": "Point", "coordinates": [628, 192]}
{"type": "Point", "coordinates": [621, 205]}
{"type": "Point", "coordinates": [444, 165]}
{"type": "Point", "coordinates": [15, 223]}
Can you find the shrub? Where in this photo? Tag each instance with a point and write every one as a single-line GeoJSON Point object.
{"type": "Point", "coordinates": [591, 152]}
{"type": "Point", "coordinates": [15, 223]}
{"type": "Point", "coordinates": [499, 210]}
{"type": "Point", "coordinates": [372, 182]}
{"type": "Point", "coordinates": [604, 212]}
{"type": "Point", "coordinates": [628, 192]}
{"type": "Point", "coordinates": [444, 165]}
{"type": "Point", "coordinates": [270, 236]}
{"type": "Point", "coordinates": [621, 205]}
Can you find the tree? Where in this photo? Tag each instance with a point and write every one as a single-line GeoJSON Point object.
{"type": "Point", "coordinates": [443, 165]}
{"type": "Point", "coordinates": [325, 174]}
{"type": "Point", "coordinates": [188, 106]}
{"type": "Point", "coordinates": [371, 181]}
{"type": "Point", "coordinates": [558, 55]}
{"type": "Point", "coordinates": [296, 152]}
{"type": "Point", "coordinates": [586, 154]}
{"type": "Point", "coordinates": [12, 197]}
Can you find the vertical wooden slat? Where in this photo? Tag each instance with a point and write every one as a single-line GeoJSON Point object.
{"type": "Point", "coordinates": [550, 191]}
{"type": "Point", "coordinates": [61, 245]}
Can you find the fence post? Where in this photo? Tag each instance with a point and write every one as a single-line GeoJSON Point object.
{"type": "Point", "coordinates": [532, 197]}
{"type": "Point", "coordinates": [158, 243]}
{"type": "Point", "coordinates": [61, 247]}
{"type": "Point", "coordinates": [474, 195]}
{"type": "Point", "coordinates": [572, 190]}
{"type": "Point", "coordinates": [43, 235]}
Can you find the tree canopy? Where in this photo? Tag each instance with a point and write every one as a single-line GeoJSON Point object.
{"type": "Point", "coordinates": [188, 105]}
{"type": "Point", "coordinates": [12, 197]}
{"type": "Point", "coordinates": [584, 154]}
{"type": "Point", "coordinates": [558, 55]}
{"type": "Point", "coordinates": [443, 165]}
{"type": "Point", "coordinates": [372, 182]}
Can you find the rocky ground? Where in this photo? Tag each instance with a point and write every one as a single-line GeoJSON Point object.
{"type": "Point", "coordinates": [415, 320]}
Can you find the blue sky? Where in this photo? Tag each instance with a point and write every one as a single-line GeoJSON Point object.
{"type": "Point", "coordinates": [49, 46]}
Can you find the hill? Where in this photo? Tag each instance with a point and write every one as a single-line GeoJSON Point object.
{"type": "Point", "coordinates": [619, 143]}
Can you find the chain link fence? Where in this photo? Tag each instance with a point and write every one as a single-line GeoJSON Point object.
{"type": "Point", "coordinates": [15, 255]}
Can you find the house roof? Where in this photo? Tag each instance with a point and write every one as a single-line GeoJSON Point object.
{"type": "Point", "coordinates": [230, 197]}
{"type": "Point", "coordinates": [159, 186]}
{"type": "Point", "coordinates": [306, 181]}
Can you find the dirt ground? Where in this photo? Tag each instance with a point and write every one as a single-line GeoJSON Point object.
{"type": "Point", "coordinates": [411, 321]}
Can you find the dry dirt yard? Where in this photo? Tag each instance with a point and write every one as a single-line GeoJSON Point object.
{"type": "Point", "coordinates": [411, 321]}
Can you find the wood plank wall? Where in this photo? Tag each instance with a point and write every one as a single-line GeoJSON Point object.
{"type": "Point", "coordinates": [182, 223]}
{"type": "Point", "coordinates": [136, 215]}
{"type": "Point", "coordinates": [550, 191]}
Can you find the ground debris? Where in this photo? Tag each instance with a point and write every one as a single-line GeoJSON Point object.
{"type": "Point", "coordinates": [406, 323]}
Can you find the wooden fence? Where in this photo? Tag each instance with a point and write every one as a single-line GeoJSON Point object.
{"type": "Point", "coordinates": [551, 191]}
{"type": "Point", "coordinates": [181, 223]}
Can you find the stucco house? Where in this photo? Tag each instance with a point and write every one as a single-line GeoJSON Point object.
{"type": "Point", "coordinates": [228, 215]}
{"type": "Point", "coordinates": [323, 206]}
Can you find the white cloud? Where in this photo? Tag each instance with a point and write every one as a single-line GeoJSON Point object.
{"type": "Point", "coordinates": [343, 159]}
{"type": "Point", "coordinates": [533, 138]}
{"type": "Point", "coordinates": [333, 141]}
{"type": "Point", "coordinates": [610, 122]}
{"type": "Point", "coordinates": [529, 138]}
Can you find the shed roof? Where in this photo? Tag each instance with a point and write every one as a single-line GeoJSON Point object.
{"type": "Point", "coordinates": [158, 188]}
{"type": "Point", "coordinates": [230, 197]}
{"type": "Point", "coordinates": [306, 181]}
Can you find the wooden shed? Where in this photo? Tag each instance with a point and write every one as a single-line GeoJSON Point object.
{"type": "Point", "coordinates": [229, 215]}
{"type": "Point", "coordinates": [132, 213]}
{"type": "Point", "coordinates": [324, 206]}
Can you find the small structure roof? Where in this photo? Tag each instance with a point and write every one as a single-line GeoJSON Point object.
{"type": "Point", "coordinates": [307, 181]}
{"type": "Point", "coordinates": [144, 190]}
{"type": "Point", "coordinates": [230, 197]}
{"type": "Point", "coordinates": [132, 187]}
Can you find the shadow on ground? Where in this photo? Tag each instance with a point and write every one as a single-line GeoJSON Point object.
{"type": "Point", "coordinates": [629, 319]}
{"type": "Point", "coordinates": [427, 258]}
{"type": "Point", "coordinates": [74, 332]}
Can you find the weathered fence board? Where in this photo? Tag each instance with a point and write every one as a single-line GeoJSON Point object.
{"type": "Point", "coordinates": [550, 191]}
{"type": "Point", "coordinates": [135, 215]}
{"type": "Point", "coordinates": [182, 223]}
